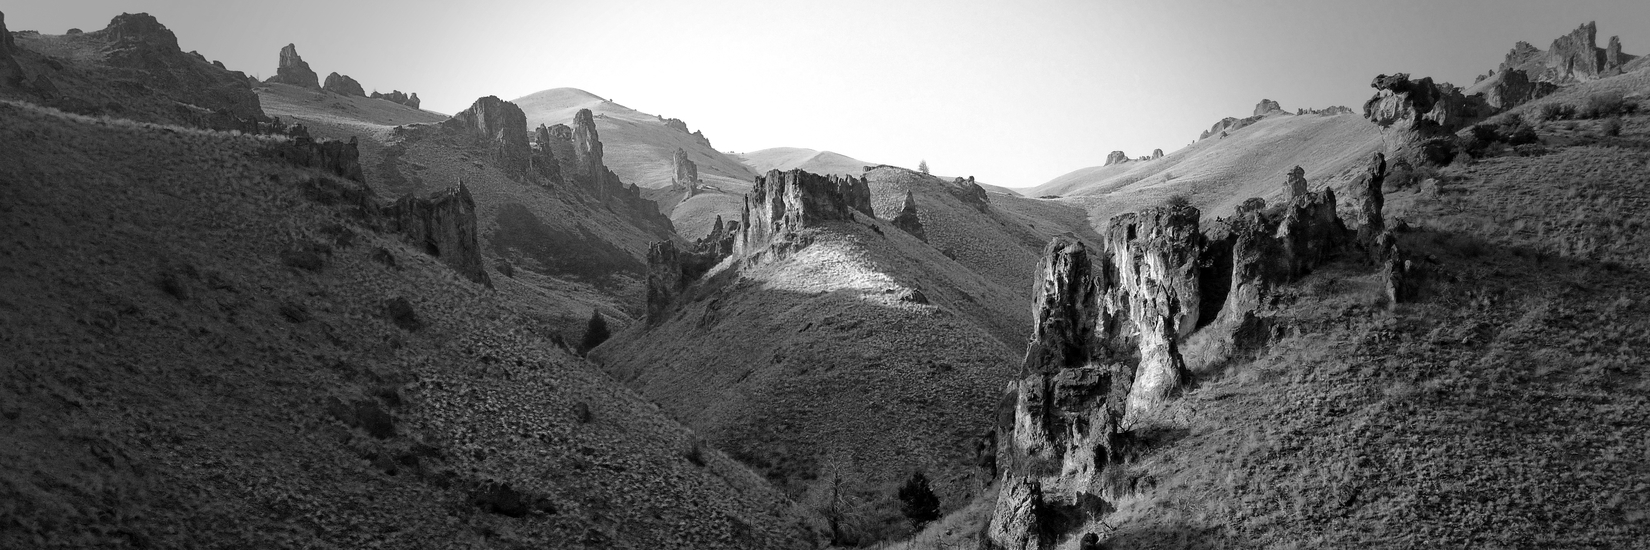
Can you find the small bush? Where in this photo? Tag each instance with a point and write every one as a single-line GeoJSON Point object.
{"type": "Point", "coordinates": [1555, 111]}
{"type": "Point", "coordinates": [1177, 201]}
{"type": "Point", "coordinates": [1611, 126]}
{"type": "Point", "coordinates": [918, 502]}
{"type": "Point", "coordinates": [595, 333]}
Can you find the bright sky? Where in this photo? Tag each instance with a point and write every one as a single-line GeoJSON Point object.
{"type": "Point", "coordinates": [1012, 92]}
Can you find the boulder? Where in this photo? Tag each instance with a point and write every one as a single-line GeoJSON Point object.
{"type": "Point", "coordinates": [444, 226]}
{"type": "Point", "coordinates": [343, 85]}
{"type": "Point", "coordinates": [1266, 107]}
{"type": "Point", "coordinates": [1157, 154]}
{"type": "Point", "coordinates": [293, 70]}
{"type": "Point", "coordinates": [907, 219]}
{"type": "Point", "coordinates": [502, 126]}
{"type": "Point", "coordinates": [1116, 157]}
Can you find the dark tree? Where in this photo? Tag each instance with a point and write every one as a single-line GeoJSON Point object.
{"type": "Point", "coordinates": [918, 501]}
{"type": "Point", "coordinates": [922, 167]}
{"type": "Point", "coordinates": [595, 334]}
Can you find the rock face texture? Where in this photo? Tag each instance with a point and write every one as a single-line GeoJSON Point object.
{"type": "Point", "coordinates": [1574, 57]}
{"type": "Point", "coordinates": [1150, 296]}
{"type": "Point", "coordinates": [1515, 88]}
{"type": "Point", "coordinates": [1372, 201]}
{"type": "Point", "coordinates": [1612, 55]}
{"type": "Point", "coordinates": [444, 224]}
{"type": "Point", "coordinates": [587, 153]}
{"type": "Point", "coordinates": [781, 204]}
{"type": "Point", "coordinates": [395, 96]}
{"type": "Point", "coordinates": [968, 191]}
{"type": "Point", "coordinates": [544, 155]}
{"type": "Point", "coordinates": [293, 70]}
{"type": "Point", "coordinates": [11, 74]}
{"type": "Point", "coordinates": [1266, 107]}
{"type": "Point", "coordinates": [337, 157]}
{"type": "Point", "coordinates": [1399, 101]}
{"type": "Point", "coordinates": [686, 172]}
{"type": "Point", "coordinates": [907, 219]}
{"type": "Point", "coordinates": [343, 85]}
{"type": "Point", "coordinates": [1294, 184]}
{"type": "Point", "coordinates": [1116, 157]}
{"type": "Point", "coordinates": [503, 126]}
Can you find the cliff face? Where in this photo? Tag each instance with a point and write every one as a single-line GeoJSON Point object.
{"type": "Point", "coordinates": [11, 74]}
{"type": "Point", "coordinates": [444, 224]}
{"type": "Point", "coordinates": [1515, 88]}
{"type": "Point", "coordinates": [1150, 296]}
{"type": "Point", "coordinates": [503, 126]}
{"type": "Point", "coordinates": [781, 204]}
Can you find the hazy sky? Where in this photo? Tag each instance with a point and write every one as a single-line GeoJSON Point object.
{"type": "Point", "coordinates": [1014, 93]}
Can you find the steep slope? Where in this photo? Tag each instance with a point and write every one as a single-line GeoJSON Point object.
{"type": "Point", "coordinates": [640, 148]}
{"type": "Point", "coordinates": [208, 346]}
{"type": "Point", "coordinates": [1218, 173]}
{"type": "Point", "coordinates": [553, 245]}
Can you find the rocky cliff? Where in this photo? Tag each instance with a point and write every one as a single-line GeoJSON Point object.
{"type": "Point", "coordinates": [11, 74]}
{"type": "Point", "coordinates": [1574, 57]}
{"type": "Point", "coordinates": [966, 190]}
{"type": "Point", "coordinates": [293, 70]}
{"type": "Point", "coordinates": [1515, 88]}
{"type": "Point", "coordinates": [502, 126]}
{"type": "Point", "coordinates": [339, 158]}
{"type": "Point", "coordinates": [1266, 107]}
{"type": "Point", "coordinates": [907, 219]}
{"type": "Point", "coordinates": [670, 269]}
{"type": "Point", "coordinates": [1150, 296]}
{"type": "Point", "coordinates": [343, 85]}
{"type": "Point", "coordinates": [686, 173]}
{"type": "Point", "coordinates": [782, 204]}
{"type": "Point", "coordinates": [444, 225]}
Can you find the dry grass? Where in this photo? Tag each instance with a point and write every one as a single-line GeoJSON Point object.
{"type": "Point", "coordinates": [174, 376]}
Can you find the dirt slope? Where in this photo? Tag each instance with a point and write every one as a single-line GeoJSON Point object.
{"type": "Point", "coordinates": [189, 341]}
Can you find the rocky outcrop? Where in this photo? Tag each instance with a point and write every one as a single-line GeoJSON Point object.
{"type": "Point", "coordinates": [339, 158]}
{"type": "Point", "coordinates": [1515, 88]}
{"type": "Point", "coordinates": [671, 270]}
{"type": "Point", "coordinates": [293, 70]}
{"type": "Point", "coordinates": [1272, 247]}
{"type": "Point", "coordinates": [782, 204]}
{"type": "Point", "coordinates": [1228, 125]}
{"type": "Point", "coordinates": [1421, 104]}
{"type": "Point", "coordinates": [907, 219]}
{"type": "Point", "coordinates": [343, 85]}
{"type": "Point", "coordinates": [173, 86]}
{"type": "Point", "coordinates": [1116, 157]}
{"type": "Point", "coordinates": [395, 96]}
{"type": "Point", "coordinates": [1521, 55]}
{"type": "Point", "coordinates": [502, 126]}
{"type": "Point", "coordinates": [444, 225]}
{"type": "Point", "coordinates": [680, 126]}
{"type": "Point", "coordinates": [544, 155]}
{"type": "Point", "coordinates": [11, 74]}
{"type": "Point", "coordinates": [969, 192]}
{"type": "Point", "coordinates": [1613, 58]}
{"type": "Point", "coordinates": [1150, 296]}
{"type": "Point", "coordinates": [1294, 184]}
{"type": "Point", "coordinates": [1371, 201]}
{"type": "Point", "coordinates": [1266, 107]}
{"type": "Point", "coordinates": [686, 175]}
{"type": "Point", "coordinates": [1157, 154]}
{"type": "Point", "coordinates": [587, 153]}
{"type": "Point", "coordinates": [1575, 56]}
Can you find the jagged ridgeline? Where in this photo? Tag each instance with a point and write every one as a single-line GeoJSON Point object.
{"type": "Point", "coordinates": [1119, 325]}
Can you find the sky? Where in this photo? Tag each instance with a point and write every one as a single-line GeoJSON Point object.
{"type": "Point", "coordinates": [1013, 92]}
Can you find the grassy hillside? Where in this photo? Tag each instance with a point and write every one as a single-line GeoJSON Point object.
{"type": "Point", "coordinates": [200, 354]}
{"type": "Point", "coordinates": [789, 158]}
{"type": "Point", "coordinates": [567, 256]}
{"type": "Point", "coordinates": [638, 148]}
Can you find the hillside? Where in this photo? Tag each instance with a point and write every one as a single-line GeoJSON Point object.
{"type": "Point", "coordinates": [792, 158]}
{"type": "Point", "coordinates": [639, 150]}
{"type": "Point", "coordinates": [211, 350]}
{"type": "Point", "coordinates": [568, 255]}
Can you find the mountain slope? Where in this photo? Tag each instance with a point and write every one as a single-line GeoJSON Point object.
{"type": "Point", "coordinates": [210, 352]}
{"type": "Point", "coordinates": [639, 148]}
{"type": "Point", "coordinates": [791, 158]}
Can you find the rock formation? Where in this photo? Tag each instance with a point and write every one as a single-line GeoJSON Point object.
{"type": "Point", "coordinates": [502, 126]}
{"type": "Point", "coordinates": [544, 155]}
{"type": "Point", "coordinates": [1521, 54]}
{"type": "Point", "coordinates": [444, 225]}
{"type": "Point", "coordinates": [680, 126]}
{"type": "Point", "coordinates": [1294, 184]}
{"type": "Point", "coordinates": [343, 85]}
{"type": "Point", "coordinates": [686, 173]}
{"type": "Point", "coordinates": [1574, 57]}
{"type": "Point", "coordinates": [587, 153]}
{"type": "Point", "coordinates": [11, 74]}
{"type": "Point", "coordinates": [782, 204]}
{"type": "Point", "coordinates": [907, 219]}
{"type": "Point", "coordinates": [293, 70]}
{"type": "Point", "coordinates": [1157, 154]}
{"type": "Point", "coordinates": [395, 96]}
{"type": "Point", "coordinates": [1332, 110]}
{"type": "Point", "coordinates": [1116, 157]}
{"type": "Point", "coordinates": [340, 158]}
{"type": "Point", "coordinates": [1266, 107]}
{"type": "Point", "coordinates": [1612, 55]}
{"type": "Point", "coordinates": [173, 86]}
{"type": "Point", "coordinates": [1515, 88]}
{"type": "Point", "coordinates": [1150, 295]}
{"type": "Point", "coordinates": [671, 270]}
{"type": "Point", "coordinates": [968, 191]}
{"type": "Point", "coordinates": [1371, 201]}
{"type": "Point", "coordinates": [1425, 115]}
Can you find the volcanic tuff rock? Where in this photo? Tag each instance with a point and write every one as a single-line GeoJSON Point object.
{"type": "Point", "coordinates": [1150, 295]}
{"type": "Point", "coordinates": [968, 191]}
{"type": "Point", "coordinates": [1371, 200]}
{"type": "Point", "coordinates": [1421, 104]}
{"type": "Point", "coordinates": [1266, 107]}
{"type": "Point", "coordinates": [1612, 55]}
{"type": "Point", "coordinates": [444, 225]}
{"type": "Point", "coordinates": [1294, 184]}
{"type": "Point", "coordinates": [1515, 88]}
{"type": "Point", "coordinates": [1574, 57]}
{"type": "Point", "coordinates": [343, 85]}
{"type": "Point", "coordinates": [907, 219]}
{"type": "Point", "coordinates": [686, 172]}
{"type": "Point", "coordinates": [1116, 157]}
{"type": "Point", "coordinates": [503, 126]}
{"type": "Point", "coordinates": [395, 96]}
{"type": "Point", "coordinates": [11, 74]}
{"type": "Point", "coordinates": [544, 155]}
{"type": "Point", "coordinates": [781, 204]}
{"type": "Point", "coordinates": [293, 70]}
{"type": "Point", "coordinates": [162, 83]}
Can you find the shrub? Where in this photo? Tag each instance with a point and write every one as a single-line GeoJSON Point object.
{"type": "Point", "coordinates": [1177, 200]}
{"type": "Point", "coordinates": [1555, 111]}
{"type": "Point", "coordinates": [1611, 126]}
{"type": "Point", "coordinates": [1604, 105]}
{"type": "Point", "coordinates": [918, 502]}
{"type": "Point", "coordinates": [595, 333]}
